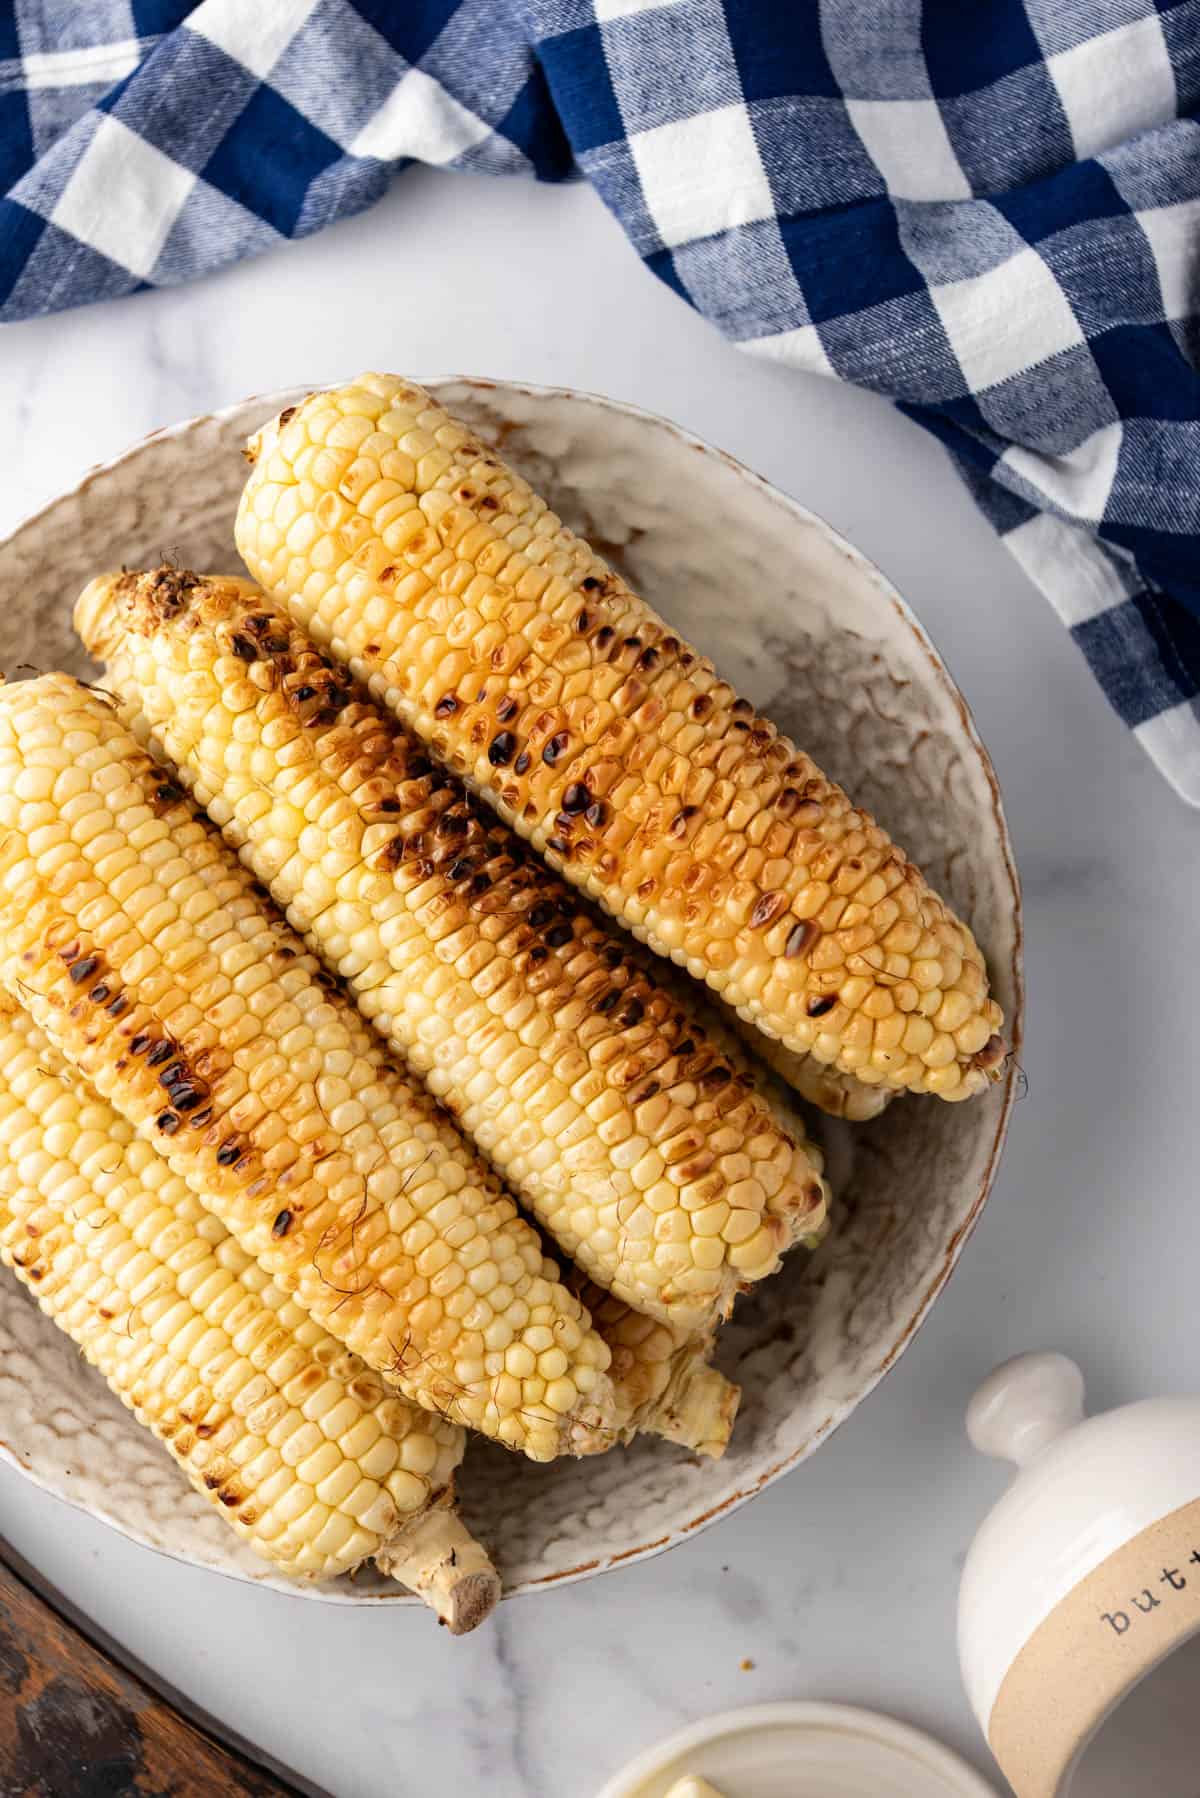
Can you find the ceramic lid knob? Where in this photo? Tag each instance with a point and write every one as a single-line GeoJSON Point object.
{"type": "Point", "coordinates": [1025, 1404]}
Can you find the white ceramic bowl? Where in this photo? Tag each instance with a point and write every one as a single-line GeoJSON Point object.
{"type": "Point", "coordinates": [806, 627]}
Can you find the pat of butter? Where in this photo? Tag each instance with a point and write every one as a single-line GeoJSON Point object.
{"type": "Point", "coordinates": [691, 1787]}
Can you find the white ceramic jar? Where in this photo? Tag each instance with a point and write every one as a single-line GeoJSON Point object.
{"type": "Point", "coordinates": [1085, 1576]}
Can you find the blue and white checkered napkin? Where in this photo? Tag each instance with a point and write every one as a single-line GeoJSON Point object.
{"type": "Point", "coordinates": [988, 210]}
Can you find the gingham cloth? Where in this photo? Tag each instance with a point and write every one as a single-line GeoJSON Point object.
{"type": "Point", "coordinates": [988, 210]}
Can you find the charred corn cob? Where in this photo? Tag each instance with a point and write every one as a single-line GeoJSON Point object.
{"type": "Point", "coordinates": [635, 1142]}
{"type": "Point", "coordinates": [142, 947]}
{"type": "Point", "coordinates": [399, 541]}
{"type": "Point", "coordinates": [304, 1451]}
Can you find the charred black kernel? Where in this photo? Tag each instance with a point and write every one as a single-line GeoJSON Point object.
{"type": "Point", "coordinates": [818, 1007]}
{"type": "Point", "coordinates": [187, 1097]}
{"type": "Point", "coordinates": [680, 821]}
{"type": "Point", "coordinates": [563, 824]}
{"type": "Point", "coordinates": [168, 1122]}
{"type": "Point", "coordinates": [507, 708]}
{"type": "Point", "coordinates": [702, 705]}
{"type": "Point", "coordinates": [555, 747]}
{"type": "Point", "coordinates": [537, 955]}
{"type": "Point", "coordinates": [140, 1043]}
{"type": "Point", "coordinates": [461, 868]}
{"type": "Point", "coordinates": [163, 1052]}
{"type": "Point", "coordinates": [590, 584]}
{"type": "Point", "coordinates": [575, 799]}
{"type": "Point", "coordinates": [613, 956]}
{"type": "Point", "coordinates": [173, 1075]}
{"type": "Point", "coordinates": [686, 1047]}
{"type": "Point", "coordinates": [633, 1012]}
{"type": "Point", "coordinates": [202, 1119]}
{"type": "Point", "coordinates": [417, 767]}
{"type": "Point", "coordinates": [583, 621]}
{"type": "Point", "coordinates": [608, 1001]}
{"type": "Point", "coordinates": [243, 647]}
{"type": "Point", "coordinates": [741, 708]}
{"type": "Point", "coordinates": [99, 993]}
{"type": "Point", "coordinates": [84, 969]}
{"type": "Point", "coordinates": [502, 748]}
{"type": "Point", "coordinates": [481, 883]}
{"type": "Point", "coordinates": [596, 813]}
{"type": "Point", "coordinates": [521, 765]}
{"type": "Point", "coordinates": [718, 1076]}
{"type": "Point", "coordinates": [559, 936]}
{"type": "Point", "coordinates": [446, 706]}
{"type": "Point", "coordinates": [387, 805]}
{"type": "Point", "coordinates": [739, 724]}
{"type": "Point", "coordinates": [669, 645]}
{"type": "Point", "coordinates": [450, 824]}
{"type": "Point", "coordinates": [604, 636]}
{"type": "Point", "coordinates": [648, 659]}
{"type": "Point", "coordinates": [558, 846]}
{"type": "Point", "coordinates": [306, 692]}
{"type": "Point", "coordinates": [802, 938]}
{"type": "Point", "coordinates": [118, 1005]}
{"type": "Point", "coordinates": [228, 1152]}
{"type": "Point", "coordinates": [540, 915]}
{"type": "Point", "coordinates": [631, 642]}
{"type": "Point", "coordinates": [646, 1092]}
{"type": "Point", "coordinates": [282, 1224]}
{"type": "Point", "coordinates": [167, 793]}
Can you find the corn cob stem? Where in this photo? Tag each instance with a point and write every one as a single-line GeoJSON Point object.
{"type": "Point", "coordinates": [640, 1147]}
{"type": "Point", "coordinates": [438, 1558]}
{"type": "Point", "coordinates": [304, 1451]}
{"type": "Point", "coordinates": [396, 539]}
{"type": "Point", "coordinates": [143, 949]}
{"type": "Point", "coordinates": [661, 1376]}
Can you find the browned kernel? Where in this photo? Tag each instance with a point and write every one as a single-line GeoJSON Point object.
{"type": "Point", "coordinates": [802, 938]}
{"type": "Point", "coordinates": [766, 909]}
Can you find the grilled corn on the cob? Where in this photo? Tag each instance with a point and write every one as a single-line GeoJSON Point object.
{"type": "Point", "coordinates": [638, 1145]}
{"type": "Point", "coordinates": [141, 946]}
{"type": "Point", "coordinates": [402, 543]}
{"type": "Point", "coordinates": [304, 1451]}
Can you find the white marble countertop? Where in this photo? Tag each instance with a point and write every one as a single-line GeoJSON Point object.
{"type": "Point", "coordinates": [840, 1581]}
